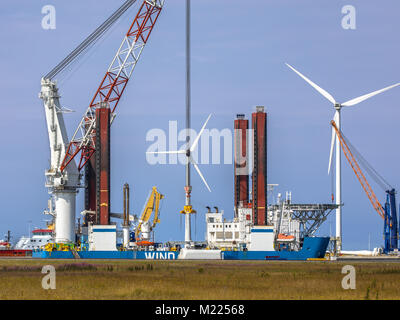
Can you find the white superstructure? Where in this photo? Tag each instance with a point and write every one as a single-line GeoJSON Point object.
{"type": "Point", "coordinates": [39, 239]}
{"type": "Point", "coordinates": [222, 233]}
{"type": "Point", "coordinates": [102, 237]}
{"type": "Point", "coordinates": [284, 229]}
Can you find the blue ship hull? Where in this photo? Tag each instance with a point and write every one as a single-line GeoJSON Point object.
{"type": "Point", "coordinates": [140, 255]}
{"type": "Point", "coordinates": [312, 248]}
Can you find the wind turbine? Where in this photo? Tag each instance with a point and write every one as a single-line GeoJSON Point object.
{"type": "Point", "coordinates": [188, 152]}
{"type": "Point", "coordinates": [337, 118]}
{"type": "Point", "coordinates": [188, 209]}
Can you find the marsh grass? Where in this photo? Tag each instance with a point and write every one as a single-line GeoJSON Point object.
{"type": "Point", "coordinates": [78, 267]}
{"type": "Point", "coordinates": [99, 279]}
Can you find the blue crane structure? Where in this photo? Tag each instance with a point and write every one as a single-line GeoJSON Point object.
{"type": "Point", "coordinates": [391, 227]}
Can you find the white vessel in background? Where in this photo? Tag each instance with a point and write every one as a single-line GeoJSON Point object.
{"type": "Point", "coordinates": [40, 237]}
{"type": "Point", "coordinates": [4, 245]}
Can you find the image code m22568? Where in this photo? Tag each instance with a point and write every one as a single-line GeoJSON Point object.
{"type": "Point", "coordinates": [222, 309]}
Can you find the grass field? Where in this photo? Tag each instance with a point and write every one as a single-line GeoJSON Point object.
{"type": "Point", "coordinates": [175, 280]}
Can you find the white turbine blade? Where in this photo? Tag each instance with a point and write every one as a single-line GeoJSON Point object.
{"type": "Point", "coordinates": [333, 139]}
{"type": "Point", "coordinates": [167, 152]}
{"type": "Point", "coordinates": [316, 87]}
{"type": "Point", "coordinates": [199, 172]}
{"type": "Point", "coordinates": [196, 141]}
{"type": "Point", "coordinates": [367, 96]}
{"type": "Point", "coordinates": [331, 153]}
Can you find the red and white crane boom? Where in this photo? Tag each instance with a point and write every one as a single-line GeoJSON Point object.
{"type": "Point", "coordinates": [114, 82]}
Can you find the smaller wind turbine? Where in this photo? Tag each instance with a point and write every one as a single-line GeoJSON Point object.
{"type": "Point", "coordinates": [188, 209]}
{"type": "Point", "coordinates": [188, 152]}
{"type": "Point", "coordinates": [336, 118]}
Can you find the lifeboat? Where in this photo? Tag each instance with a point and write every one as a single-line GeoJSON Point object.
{"type": "Point", "coordinates": [285, 238]}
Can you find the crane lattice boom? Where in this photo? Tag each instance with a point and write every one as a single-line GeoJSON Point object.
{"type": "Point", "coordinates": [360, 175]}
{"type": "Point", "coordinates": [114, 82]}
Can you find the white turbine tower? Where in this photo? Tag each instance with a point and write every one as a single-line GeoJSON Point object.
{"type": "Point", "coordinates": [336, 118]}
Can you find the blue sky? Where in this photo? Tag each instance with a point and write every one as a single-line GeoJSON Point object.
{"type": "Point", "coordinates": [239, 51]}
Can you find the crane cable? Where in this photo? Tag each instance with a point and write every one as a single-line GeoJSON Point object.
{"type": "Point", "coordinates": [90, 40]}
{"type": "Point", "coordinates": [367, 166]}
{"type": "Point", "coordinates": [359, 173]}
{"type": "Point", "coordinates": [371, 171]}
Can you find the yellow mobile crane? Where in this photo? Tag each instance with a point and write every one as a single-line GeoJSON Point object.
{"type": "Point", "coordinates": [145, 227]}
